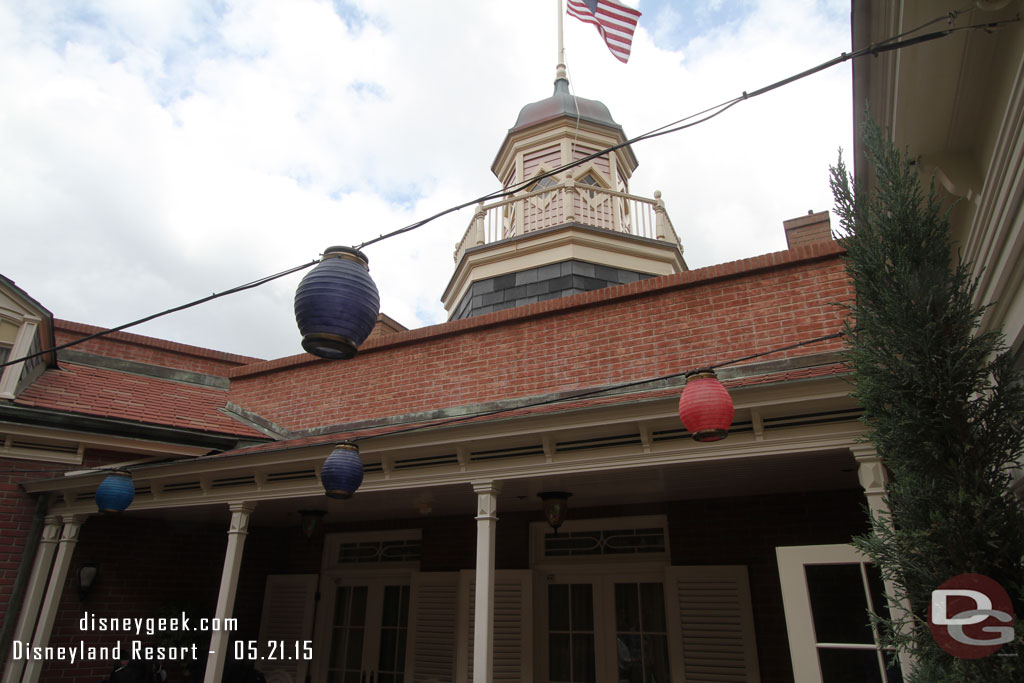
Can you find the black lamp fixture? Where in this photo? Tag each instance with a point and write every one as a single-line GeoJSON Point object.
{"type": "Point", "coordinates": [86, 577]}
{"type": "Point", "coordinates": [556, 504]}
{"type": "Point", "coordinates": [311, 521]}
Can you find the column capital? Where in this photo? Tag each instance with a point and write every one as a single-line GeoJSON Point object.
{"type": "Point", "coordinates": [240, 513]}
{"type": "Point", "coordinates": [72, 526]}
{"type": "Point", "coordinates": [865, 451]}
{"type": "Point", "coordinates": [489, 486]}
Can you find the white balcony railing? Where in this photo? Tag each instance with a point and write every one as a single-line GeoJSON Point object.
{"type": "Point", "coordinates": [567, 202]}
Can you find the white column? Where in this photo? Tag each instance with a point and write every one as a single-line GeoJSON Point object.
{"type": "Point", "coordinates": [34, 594]}
{"type": "Point", "coordinates": [483, 626]}
{"type": "Point", "coordinates": [221, 640]}
{"type": "Point", "coordinates": [54, 590]}
{"type": "Point", "coordinates": [875, 479]}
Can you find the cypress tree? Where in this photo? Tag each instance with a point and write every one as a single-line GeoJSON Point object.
{"type": "Point", "coordinates": [943, 406]}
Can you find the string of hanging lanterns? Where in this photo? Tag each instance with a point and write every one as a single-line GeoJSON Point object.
{"type": "Point", "coordinates": [336, 308]}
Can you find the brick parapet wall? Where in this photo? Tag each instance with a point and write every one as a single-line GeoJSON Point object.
{"type": "Point", "coordinates": [142, 349]}
{"type": "Point", "coordinates": [640, 330]}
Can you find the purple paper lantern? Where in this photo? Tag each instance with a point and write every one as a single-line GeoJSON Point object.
{"type": "Point", "coordinates": [342, 472]}
{"type": "Point", "coordinates": [336, 304]}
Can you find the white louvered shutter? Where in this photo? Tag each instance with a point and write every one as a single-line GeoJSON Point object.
{"type": "Point", "coordinates": [288, 604]}
{"type": "Point", "coordinates": [513, 625]}
{"type": "Point", "coordinates": [434, 601]}
{"type": "Point", "coordinates": [711, 623]}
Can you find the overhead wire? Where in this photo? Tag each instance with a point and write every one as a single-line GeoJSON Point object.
{"type": "Point", "coordinates": [889, 44]}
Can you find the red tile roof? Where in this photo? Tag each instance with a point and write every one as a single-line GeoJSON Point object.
{"type": "Point", "coordinates": [124, 396]}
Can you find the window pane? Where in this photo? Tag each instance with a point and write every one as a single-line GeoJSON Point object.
{"type": "Point", "coordinates": [389, 612]}
{"type": "Point", "coordinates": [652, 607]}
{"type": "Point", "coordinates": [630, 658]}
{"type": "Point", "coordinates": [388, 649]}
{"type": "Point", "coordinates": [879, 604]}
{"type": "Point", "coordinates": [558, 658]}
{"type": "Point", "coordinates": [558, 607]}
{"type": "Point", "coordinates": [583, 658]}
{"type": "Point", "coordinates": [340, 601]}
{"type": "Point", "coordinates": [354, 649]}
{"type": "Point", "coordinates": [627, 608]}
{"type": "Point", "coordinates": [849, 666]}
{"type": "Point", "coordinates": [838, 603]}
{"type": "Point", "coordinates": [582, 607]}
{"type": "Point", "coordinates": [338, 639]}
{"type": "Point", "coordinates": [400, 665]}
{"type": "Point", "coordinates": [642, 644]}
{"type": "Point", "coordinates": [358, 606]}
{"type": "Point", "coordinates": [655, 659]}
{"type": "Point", "coordinates": [404, 608]}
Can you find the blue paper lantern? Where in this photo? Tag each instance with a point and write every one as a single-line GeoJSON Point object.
{"type": "Point", "coordinates": [336, 304]}
{"type": "Point", "coordinates": [115, 493]}
{"type": "Point", "coordinates": [342, 472]}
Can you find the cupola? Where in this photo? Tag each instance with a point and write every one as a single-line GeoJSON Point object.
{"type": "Point", "coordinates": [566, 232]}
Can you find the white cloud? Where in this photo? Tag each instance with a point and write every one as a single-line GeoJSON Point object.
{"type": "Point", "coordinates": [157, 152]}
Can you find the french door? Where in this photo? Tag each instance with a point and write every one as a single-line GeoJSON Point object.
{"type": "Point", "coordinates": [367, 631]}
{"type": "Point", "coordinates": [606, 629]}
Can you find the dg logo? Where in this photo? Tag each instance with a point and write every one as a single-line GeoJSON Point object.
{"type": "Point", "coordinates": [971, 616]}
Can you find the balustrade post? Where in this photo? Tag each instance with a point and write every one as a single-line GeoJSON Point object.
{"type": "Point", "coordinates": [479, 236]}
{"type": "Point", "coordinates": [569, 198]}
{"type": "Point", "coordinates": [660, 217]}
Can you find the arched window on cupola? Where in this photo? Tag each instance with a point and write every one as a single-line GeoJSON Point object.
{"type": "Point", "coordinates": [589, 179]}
{"type": "Point", "coordinates": [542, 200]}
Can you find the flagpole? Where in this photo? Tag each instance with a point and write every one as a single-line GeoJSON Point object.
{"type": "Point", "coordinates": [560, 66]}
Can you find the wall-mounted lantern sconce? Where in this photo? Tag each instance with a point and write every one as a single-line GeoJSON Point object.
{"type": "Point", "coordinates": [86, 577]}
{"type": "Point", "coordinates": [311, 521]}
{"type": "Point", "coordinates": [556, 504]}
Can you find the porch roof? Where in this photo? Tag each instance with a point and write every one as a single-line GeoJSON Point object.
{"type": "Point", "coordinates": [84, 390]}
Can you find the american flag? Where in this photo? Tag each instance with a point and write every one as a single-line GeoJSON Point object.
{"type": "Point", "coordinates": [614, 21]}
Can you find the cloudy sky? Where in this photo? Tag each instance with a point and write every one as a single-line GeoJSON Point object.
{"type": "Point", "coordinates": [155, 152]}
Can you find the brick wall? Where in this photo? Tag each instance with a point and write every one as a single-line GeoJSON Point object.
{"type": "Point", "coordinates": [147, 568]}
{"type": "Point", "coordinates": [150, 350]}
{"type": "Point", "coordinates": [17, 510]}
{"type": "Point", "coordinates": [645, 329]}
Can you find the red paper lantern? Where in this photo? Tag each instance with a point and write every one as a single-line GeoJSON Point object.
{"type": "Point", "coordinates": [705, 407]}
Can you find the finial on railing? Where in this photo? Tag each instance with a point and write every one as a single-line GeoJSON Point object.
{"type": "Point", "coordinates": [660, 217]}
{"type": "Point", "coordinates": [478, 224]}
{"type": "Point", "coordinates": [568, 198]}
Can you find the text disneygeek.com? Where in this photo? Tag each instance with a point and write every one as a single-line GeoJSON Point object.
{"type": "Point", "coordinates": [134, 649]}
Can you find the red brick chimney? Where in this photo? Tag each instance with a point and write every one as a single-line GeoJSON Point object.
{"type": "Point", "coordinates": [814, 227]}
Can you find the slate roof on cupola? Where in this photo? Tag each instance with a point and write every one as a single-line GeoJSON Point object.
{"type": "Point", "coordinates": [563, 103]}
